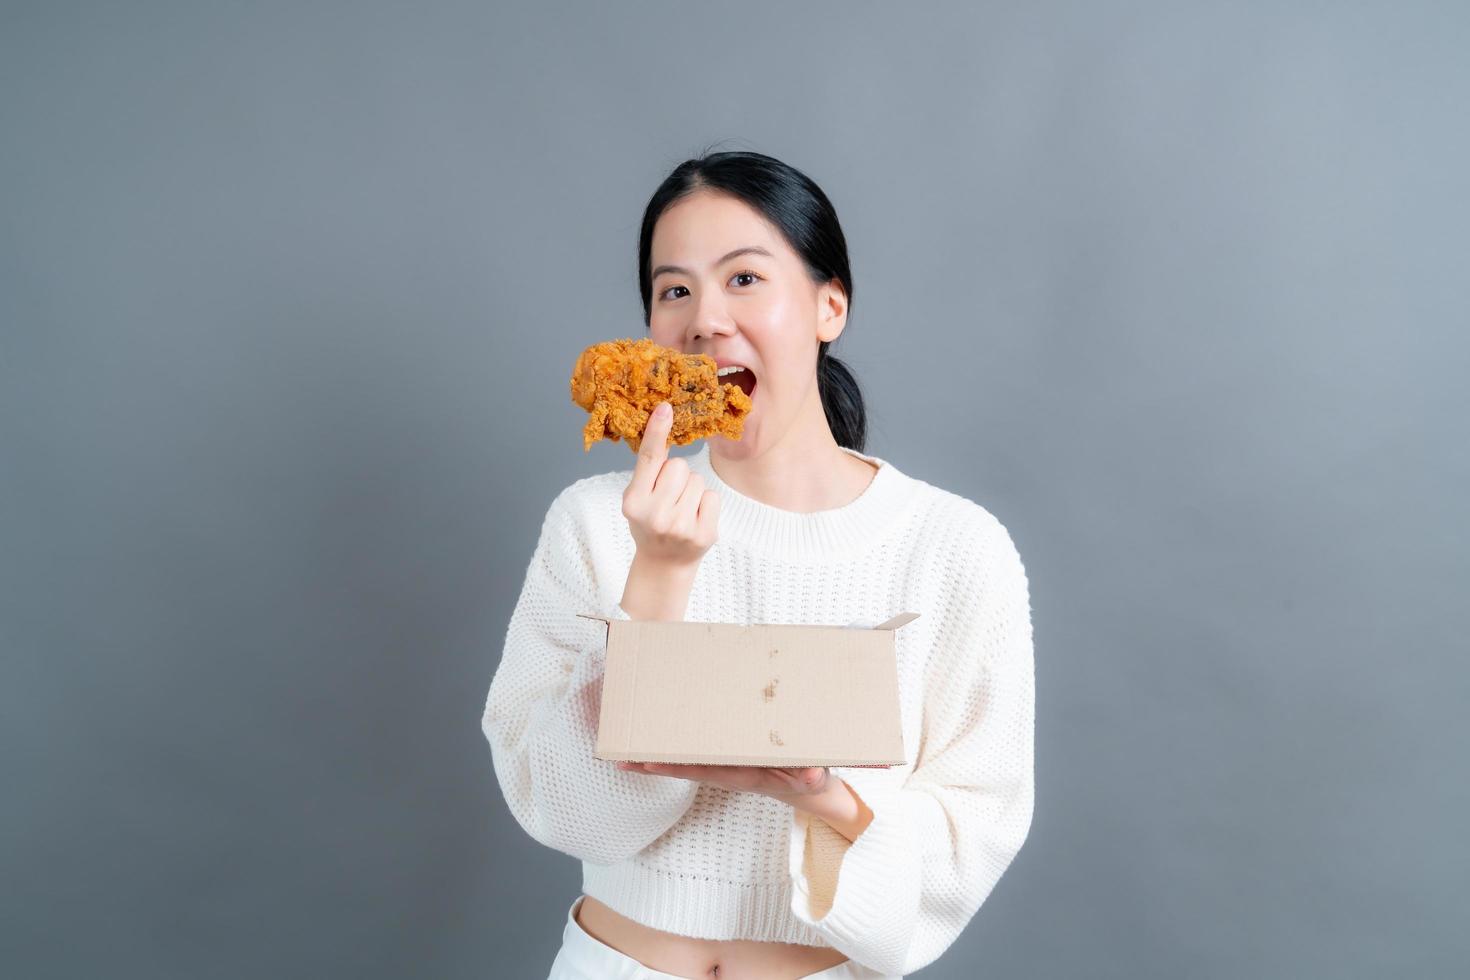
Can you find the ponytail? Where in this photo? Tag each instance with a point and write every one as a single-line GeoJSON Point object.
{"type": "Point", "coordinates": [842, 401]}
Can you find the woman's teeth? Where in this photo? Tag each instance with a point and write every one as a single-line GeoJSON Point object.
{"type": "Point", "coordinates": [741, 377]}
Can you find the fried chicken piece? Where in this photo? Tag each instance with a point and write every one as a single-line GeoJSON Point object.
{"type": "Point", "coordinates": [621, 382]}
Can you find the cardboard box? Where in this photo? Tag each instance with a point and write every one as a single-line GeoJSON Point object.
{"type": "Point", "coordinates": [760, 695]}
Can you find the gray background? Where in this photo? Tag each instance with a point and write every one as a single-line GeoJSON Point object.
{"type": "Point", "coordinates": [289, 296]}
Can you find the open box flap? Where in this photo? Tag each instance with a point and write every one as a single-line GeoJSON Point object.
{"type": "Point", "coordinates": [902, 619]}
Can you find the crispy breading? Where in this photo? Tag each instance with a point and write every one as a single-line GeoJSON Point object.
{"type": "Point", "coordinates": [620, 382]}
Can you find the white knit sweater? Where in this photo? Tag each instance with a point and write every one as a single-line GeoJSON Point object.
{"type": "Point", "coordinates": [700, 860]}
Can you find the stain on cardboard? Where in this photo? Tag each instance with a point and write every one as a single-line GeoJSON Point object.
{"type": "Point", "coordinates": [773, 652]}
{"type": "Point", "coordinates": [770, 689]}
{"type": "Point", "coordinates": [776, 738]}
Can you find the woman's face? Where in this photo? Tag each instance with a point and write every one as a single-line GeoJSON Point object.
{"type": "Point", "coordinates": [759, 309]}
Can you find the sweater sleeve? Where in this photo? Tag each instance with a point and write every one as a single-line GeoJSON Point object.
{"type": "Point", "coordinates": [542, 711]}
{"type": "Point", "coordinates": [899, 895]}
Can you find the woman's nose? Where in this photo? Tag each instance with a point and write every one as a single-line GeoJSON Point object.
{"type": "Point", "coordinates": [710, 319]}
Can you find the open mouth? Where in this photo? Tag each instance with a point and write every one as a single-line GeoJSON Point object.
{"type": "Point", "coordinates": [741, 377]}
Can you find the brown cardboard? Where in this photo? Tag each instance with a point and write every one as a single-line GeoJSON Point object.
{"type": "Point", "coordinates": [759, 695]}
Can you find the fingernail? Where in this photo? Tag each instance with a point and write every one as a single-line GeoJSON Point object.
{"type": "Point", "coordinates": [663, 410]}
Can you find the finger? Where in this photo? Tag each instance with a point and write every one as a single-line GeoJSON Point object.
{"type": "Point", "coordinates": [801, 775]}
{"type": "Point", "coordinates": [793, 778]}
{"type": "Point", "coordinates": [683, 770]}
{"type": "Point", "coordinates": [672, 477]}
{"type": "Point", "coordinates": [654, 448]}
{"type": "Point", "coordinates": [708, 518]}
{"type": "Point", "coordinates": [687, 505]}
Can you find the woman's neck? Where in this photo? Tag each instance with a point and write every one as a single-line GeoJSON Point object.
{"type": "Point", "coordinates": [806, 471]}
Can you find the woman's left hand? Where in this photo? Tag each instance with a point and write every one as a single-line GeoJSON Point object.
{"type": "Point", "coordinates": [787, 785]}
{"type": "Point", "coordinates": [813, 790]}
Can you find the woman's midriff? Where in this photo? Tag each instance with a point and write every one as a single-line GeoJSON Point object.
{"type": "Point", "coordinates": [685, 956]}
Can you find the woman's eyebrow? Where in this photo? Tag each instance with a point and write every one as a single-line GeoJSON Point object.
{"type": "Point", "coordinates": [749, 249]}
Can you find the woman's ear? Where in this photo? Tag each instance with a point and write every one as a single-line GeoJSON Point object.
{"type": "Point", "coordinates": [831, 310]}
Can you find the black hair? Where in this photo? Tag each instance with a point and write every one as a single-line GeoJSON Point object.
{"type": "Point", "coordinates": [791, 201]}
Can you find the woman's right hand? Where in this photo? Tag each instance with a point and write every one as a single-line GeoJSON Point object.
{"type": "Point", "coordinates": [674, 520]}
{"type": "Point", "coordinates": [672, 517]}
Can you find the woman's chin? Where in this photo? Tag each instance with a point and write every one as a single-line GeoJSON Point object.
{"type": "Point", "coordinates": [742, 448]}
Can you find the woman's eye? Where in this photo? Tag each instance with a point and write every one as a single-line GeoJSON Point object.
{"type": "Point", "coordinates": [738, 275]}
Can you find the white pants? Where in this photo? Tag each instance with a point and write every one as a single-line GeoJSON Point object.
{"type": "Point", "coordinates": [582, 957]}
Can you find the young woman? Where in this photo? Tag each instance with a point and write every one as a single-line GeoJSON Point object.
{"type": "Point", "coordinates": [738, 871]}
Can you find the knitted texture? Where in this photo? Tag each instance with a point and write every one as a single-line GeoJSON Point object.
{"type": "Point", "coordinates": [700, 860]}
